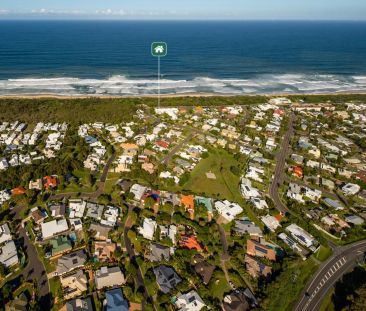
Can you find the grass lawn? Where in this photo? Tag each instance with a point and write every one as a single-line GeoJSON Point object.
{"type": "Point", "coordinates": [327, 304]}
{"type": "Point", "coordinates": [218, 286]}
{"type": "Point", "coordinates": [226, 183]}
{"type": "Point", "coordinates": [323, 253]}
{"type": "Point", "coordinates": [56, 290]}
{"type": "Point", "coordinates": [283, 293]}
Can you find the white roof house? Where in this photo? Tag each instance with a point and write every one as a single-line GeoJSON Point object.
{"type": "Point", "coordinates": [8, 254]}
{"type": "Point", "coordinates": [227, 209]}
{"type": "Point", "coordinates": [5, 234]}
{"type": "Point", "coordinates": [302, 236]}
{"type": "Point", "coordinates": [351, 189]}
{"type": "Point", "coordinates": [148, 228]}
{"type": "Point", "coordinates": [110, 216]}
{"type": "Point", "coordinates": [138, 191]}
{"type": "Point", "coordinates": [259, 203]}
{"type": "Point", "coordinates": [54, 227]}
{"type": "Point", "coordinates": [271, 222]}
{"type": "Point", "coordinates": [77, 208]}
{"type": "Point", "coordinates": [190, 301]}
{"type": "Point", "coordinates": [247, 190]}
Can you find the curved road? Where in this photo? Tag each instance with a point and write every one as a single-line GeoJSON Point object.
{"type": "Point", "coordinates": [344, 259]}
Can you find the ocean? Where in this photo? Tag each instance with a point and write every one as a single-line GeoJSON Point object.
{"type": "Point", "coordinates": [113, 57]}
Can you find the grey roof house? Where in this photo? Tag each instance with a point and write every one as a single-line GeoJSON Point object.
{"type": "Point", "coordinates": [71, 261]}
{"type": "Point", "coordinates": [166, 278]}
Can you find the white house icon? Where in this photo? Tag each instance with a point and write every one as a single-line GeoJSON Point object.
{"type": "Point", "coordinates": [159, 49]}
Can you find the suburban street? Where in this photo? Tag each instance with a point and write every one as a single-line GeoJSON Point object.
{"type": "Point", "coordinates": [131, 253]}
{"type": "Point", "coordinates": [343, 260]}
{"type": "Point", "coordinates": [35, 269]}
{"type": "Point", "coordinates": [281, 157]}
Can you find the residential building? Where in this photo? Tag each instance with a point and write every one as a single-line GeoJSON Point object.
{"type": "Point", "coordinates": [245, 226]}
{"type": "Point", "coordinates": [60, 245]}
{"type": "Point", "coordinates": [158, 252]}
{"type": "Point", "coordinates": [235, 301]}
{"type": "Point", "coordinates": [303, 237]}
{"type": "Point", "coordinates": [70, 262]}
{"type": "Point", "coordinates": [54, 227]}
{"type": "Point", "coordinates": [190, 301]}
{"type": "Point", "coordinates": [148, 229]}
{"type": "Point", "coordinates": [109, 277]}
{"type": "Point", "coordinates": [203, 268]}
{"type": "Point", "coordinates": [8, 254]}
{"type": "Point", "coordinates": [5, 234]}
{"type": "Point", "coordinates": [78, 304]}
{"type": "Point", "coordinates": [74, 284]}
{"type": "Point", "coordinates": [166, 278]}
{"type": "Point", "coordinates": [256, 268]}
{"type": "Point", "coordinates": [228, 210]}
{"type": "Point", "coordinates": [259, 249]}
{"type": "Point", "coordinates": [114, 300]}
{"type": "Point", "coordinates": [104, 250]}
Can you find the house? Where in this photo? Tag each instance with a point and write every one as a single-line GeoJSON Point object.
{"type": "Point", "coordinates": [228, 210]}
{"type": "Point", "coordinates": [303, 237]}
{"type": "Point", "coordinates": [158, 252]}
{"type": "Point", "coordinates": [49, 182]}
{"type": "Point", "coordinates": [245, 226]}
{"type": "Point", "coordinates": [293, 245]}
{"type": "Point", "coordinates": [8, 254]}
{"type": "Point", "coordinates": [138, 191]}
{"type": "Point", "coordinates": [5, 234]}
{"type": "Point", "coordinates": [109, 277]}
{"type": "Point", "coordinates": [38, 215]}
{"type": "Point", "coordinates": [94, 210]}
{"type": "Point", "coordinates": [256, 268]}
{"type": "Point", "coordinates": [104, 250]}
{"type": "Point", "coordinates": [70, 262]}
{"type": "Point", "coordinates": [60, 245]}
{"type": "Point", "coordinates": [54, 227]}
{"type": "Point", "coordinates": [190, 242]}
{"type": "Point", "coordinates": [259, 249]}
{"type": "Point", "coordinates": [350, 189]}
{"type": "Point", "coordinates": [247, 190]}
{"type": "Point", "coordinates": [203, 268]}
{"type": "Point", "coordinates": [77, 208]}
{"type": "Point", "coordinates": [130, 149]}
{"type": "Point", "coordinates": [148, 167]}
{"type": "Point", "coordinates": [188, 202]}
{"type": "Point", "coordinates": [36, 184]}
{"type": "Point", "coordinates": [79, 304]}
{"type": "Point", "coordinates": [166, 278]}
{"type": "Point", "coordinates": [148, 228]}
{"type": "Point", "coordinates": [74, 284]}
{"type": "Point", "coordinates": [20, 303]}
{"type": "Point", "coordinates": [297, 171]}
{"type": "Point", "coordinates": [259, 203]}
{"type": "Point", "coordinates": [101, 232]}
{"type": "Point", "coordinates": [124, 184]}
{"type": "Point", "coordinates": [17, 191]}
{"type": "Point", "coordinates": [110, 216]}
{"type": "Point", "coordinates": [337, 205]}
{"type": "Point", "coordinates": [354, 219]}
{"type": "Point", "coordinates": [114, 300]}
{"type": "Point", "coordinates": [57, 210]}
{"type": "Point", "coordinates": [235, 301]}
{"type": "Point", "coordinates": [271, 222]}
{"type": "Point", "coordinates": [190, 301]}
{"type": "Point", "coordinates": [168, 232]}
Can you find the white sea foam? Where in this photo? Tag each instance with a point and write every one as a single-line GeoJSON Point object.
{"type": "Point", "coordinates": [122, 85]}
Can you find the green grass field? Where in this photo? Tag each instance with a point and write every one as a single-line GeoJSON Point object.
{"type": "Point", "coordinates": [323, 253]}
{"type": "Point", "coordinates": [283, 293]}
{"type": "Point", "coordinates": [226, 183]}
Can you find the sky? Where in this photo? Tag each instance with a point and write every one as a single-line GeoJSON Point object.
{"type": "Point", "coordinates": [186, 9]}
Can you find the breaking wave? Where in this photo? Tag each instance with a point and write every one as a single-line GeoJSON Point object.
{"type": "Point", "coordinates": [123, 86]}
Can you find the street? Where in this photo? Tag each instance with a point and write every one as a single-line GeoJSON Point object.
{"type": "Point", "coordinates": [343, 260]}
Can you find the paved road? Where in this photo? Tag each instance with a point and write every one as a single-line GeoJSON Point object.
{"type": "Point", "coordinates": [280, 167]}
{"type": "Point", "coordinates": [131, 253]}
{"type": "Point", "coordinates": [89, 195]}
{"type": "Point", "coordinates": [343, 260]}
{"type": "Point", "coordinates": [172, 152]}
{"type": "Point", "coordinates": [35, 269]}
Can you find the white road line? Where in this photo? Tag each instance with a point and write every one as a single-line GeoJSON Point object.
{"type": "Point", "coordinates": [339, 265]}
{"type": "Point", "coordinates": [329, 274]}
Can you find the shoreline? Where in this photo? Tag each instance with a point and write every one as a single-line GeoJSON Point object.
{"type": "Point", "coordinates": [192, 95]}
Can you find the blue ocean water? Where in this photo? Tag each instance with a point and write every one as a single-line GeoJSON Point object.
{"type": "Point", "coordinates": [113, 58]}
